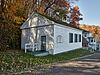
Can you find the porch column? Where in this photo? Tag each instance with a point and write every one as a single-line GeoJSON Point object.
{"type": "Point", "coordinates": [95, 46]}
{"type": "Point", "coordinates": [99, 47]}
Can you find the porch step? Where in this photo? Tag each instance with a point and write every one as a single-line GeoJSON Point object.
{"type": "Point", "coordinates": [41, 53]}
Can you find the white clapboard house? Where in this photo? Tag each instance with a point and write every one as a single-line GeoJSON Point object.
{"type": "Point", "coordinates": [90, 42]}
{"type": "Point", "coordinates": [43, 34]}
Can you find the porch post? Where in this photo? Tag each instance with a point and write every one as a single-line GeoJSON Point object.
{"type": "Point", "coordinates": [99, 47]}
{"type": "Point", "coordinates": [25, 48]}
{"type": "Point", "coordinates": [32, 47]}
{"type": "Point", "coordinates": [95, 46]}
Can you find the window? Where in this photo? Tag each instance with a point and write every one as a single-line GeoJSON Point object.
{"type": "Point", "coordinates": [79, 37]}
{"type": "Point", "coordinates": [85, 35]}
{"type": "Point", "coordinates": [94, 40]}
{"type": "Point", "coordinates": [75, 37]}
{"type": "Point", "coordinates": [91, 39]}
{"type": "Point", "coordinates": [59, 39]}
{"type": "Point", "coordinates": [70, 37]}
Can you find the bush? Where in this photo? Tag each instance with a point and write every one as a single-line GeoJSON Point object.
{"type": "Point", "coordinates": [10, 36]}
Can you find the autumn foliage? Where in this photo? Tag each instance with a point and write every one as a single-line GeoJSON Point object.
{"type": "Point", "coordinates": [64, 8]}
{"type": "Point", "coordinates": [74, 18]}
{"type": "Point", "coordinates": [14, 12]}
{"type": "Point", "coordinates": [95, 30]}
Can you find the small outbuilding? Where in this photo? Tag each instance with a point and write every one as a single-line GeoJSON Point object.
{"type": "Point", "coordinates": [45, 34]}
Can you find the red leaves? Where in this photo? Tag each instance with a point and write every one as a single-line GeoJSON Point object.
{"type": "Point", "coordinates": [76, 8]}
{"type": "Point", "coordinates": [75, 15]}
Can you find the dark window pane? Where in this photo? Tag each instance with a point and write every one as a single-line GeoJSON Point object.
{"type": "Point", "coordinates": [94, 40]}
{"type": "Point", "coordinates": [70, 37]}
{"type": "Point", "coordinates": [85, 35]}
{"type": "Point", "coordinates": [91, 39]}
{"type": "Point", "coordinates": [79, 37]}
{"type": "Point", "coordinates": [75, 37]}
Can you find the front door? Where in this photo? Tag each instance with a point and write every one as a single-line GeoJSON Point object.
{"type": "Point", "coordinates": [43, 43]}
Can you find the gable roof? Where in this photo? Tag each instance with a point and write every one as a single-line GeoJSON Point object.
{"type": "Point", "coordinates": [25, 25]}
{"type": "Point", "coordinates": [86, 31]}
{"type": "Point", "coordinates": [49, 18]}
{"type": "Point", "coordinates": [59, 22]}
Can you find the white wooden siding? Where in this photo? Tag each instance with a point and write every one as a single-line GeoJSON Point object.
{"type": "Point", "coordinates": [65, 45]}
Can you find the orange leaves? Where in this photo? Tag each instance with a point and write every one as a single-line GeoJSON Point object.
{"type": "Point", "coordinates": [75, 15]}
{"type": "Point", "coordinates": [93, 29]}
{"type": "Point", "coordinates": [76, 8]}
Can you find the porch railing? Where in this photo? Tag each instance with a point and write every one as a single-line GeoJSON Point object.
{"type": "Point", "coordinates": [29, 46]}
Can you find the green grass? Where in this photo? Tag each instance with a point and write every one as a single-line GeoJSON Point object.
{"type": "Point", "coordinates": [16, 61]}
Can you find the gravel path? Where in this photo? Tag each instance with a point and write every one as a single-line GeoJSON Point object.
{"type": "Point", "coordinates": [89, 65]}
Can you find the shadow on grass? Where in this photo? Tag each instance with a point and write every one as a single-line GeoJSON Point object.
{"type": "Point", "coordinates": [16, 60]}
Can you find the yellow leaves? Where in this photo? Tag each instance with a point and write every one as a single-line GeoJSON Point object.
{"type": "Point", "coordinates": [12, 9]}
{"type": "Point", "coordinates": [93, 29]}
{"type": "Point", "coordinates": [18, 20]}
{"type": "Point", "coordinates": [97, 37]}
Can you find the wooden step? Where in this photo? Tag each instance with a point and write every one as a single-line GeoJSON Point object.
{"type": "Point", "coordinates": [41, 53]}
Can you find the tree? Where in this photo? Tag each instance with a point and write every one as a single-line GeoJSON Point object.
{"type": "Point", "coordinates": [50, 3]}
{"type": "Point", "coordinates": [75, 16]}
{"type": "Point", "coordinates": [60, 9]}
{"type": "Point", "coordinates": [10, 21]}
{"type": "Point", "coordinates": [14, 12]}
{"type": "Point", "coordinates": [95, 30]}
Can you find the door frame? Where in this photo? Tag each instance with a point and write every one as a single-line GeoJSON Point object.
{"type": "Point", "coordinates": [43, 44]}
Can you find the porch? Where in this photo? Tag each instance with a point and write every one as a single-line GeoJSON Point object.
{"type": "Point", "coordinates": [33, 49]}
{"type": "Point", "coordinates": [94, 47]}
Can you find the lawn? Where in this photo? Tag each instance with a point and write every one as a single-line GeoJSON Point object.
{"type": "Point", "coordinates": [16, 61]}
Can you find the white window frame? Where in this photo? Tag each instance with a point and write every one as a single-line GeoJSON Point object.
{"type": "Point", "coordinates": [71, 40]}
{"type": "Point", "coordinates": [59, 39]}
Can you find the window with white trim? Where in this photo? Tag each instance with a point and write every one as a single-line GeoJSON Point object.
{"type": "Point", "coordinates": [76, 37]}
{"type": "Point", "coordinates": [70, 37]}
{"type": "Point", "coordinates": [79, 37]}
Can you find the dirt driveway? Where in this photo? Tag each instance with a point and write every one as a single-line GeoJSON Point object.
{"type": "Point", "coordinates": [89, 65]}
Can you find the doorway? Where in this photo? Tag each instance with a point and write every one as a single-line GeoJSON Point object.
{"type": "Point", "coordinates": [43, 43]}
